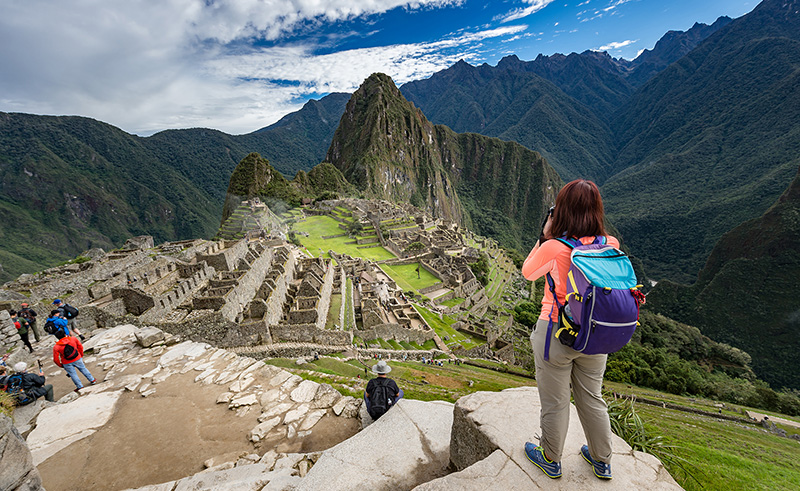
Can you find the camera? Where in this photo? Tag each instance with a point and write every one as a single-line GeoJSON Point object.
{"type": "Point", "coordinates": [544, 222]}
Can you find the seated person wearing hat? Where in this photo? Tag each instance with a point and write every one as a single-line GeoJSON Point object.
{"type": "Point", "coordinates": [382, 392]}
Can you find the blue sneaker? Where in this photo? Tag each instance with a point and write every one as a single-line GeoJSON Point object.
{"type": "Point", "coordinates": [536, 455]}
{"type": "Point", "coordinates": [601, 469]}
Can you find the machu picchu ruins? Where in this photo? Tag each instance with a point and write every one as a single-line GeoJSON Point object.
{"type": "Point", "coordinates": [257, 291]}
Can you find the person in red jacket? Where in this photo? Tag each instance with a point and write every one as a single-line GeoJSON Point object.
{"type": "Point", "coordinates": [68, 354]}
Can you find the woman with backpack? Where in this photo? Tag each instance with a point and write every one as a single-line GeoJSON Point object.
{"type": "Point", "coordinates": [577, 215]}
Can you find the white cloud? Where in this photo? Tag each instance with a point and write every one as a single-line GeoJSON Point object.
{"type": "Point", "coordinates": [518, 13]}
{"type": "Point", "coordinates": [616, 45]}
{"type": "Point", "coordinates": [145, 66]}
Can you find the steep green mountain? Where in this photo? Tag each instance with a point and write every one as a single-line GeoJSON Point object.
{"type": "Point", "coordinates": [521, 107]}
{"type": "Point", "coordinates": [710, 142]}
{"type": "Point", "coordinates": [389, 150]}
{"type": "Point", "coordinates": [669, 49]}
{"type": "Point", "coordinates": [297, 142]}
{"type": "Point", "coordinates": [255, 177]}
{"type": "Point", "coordinates": [745, 296]}
{"type": "Point", "coordinates": [594, 79]}
{"type": "Point", "coordinates": [69, 183]}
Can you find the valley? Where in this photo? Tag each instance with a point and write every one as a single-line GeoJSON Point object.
{"type": "Point", "coordinates": [266, 273]}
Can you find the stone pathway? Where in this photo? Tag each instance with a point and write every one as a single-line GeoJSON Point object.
{"type": "Point", "coordinates": [760, 416]}
{"type": "Point", "coordinates": [156, 399]}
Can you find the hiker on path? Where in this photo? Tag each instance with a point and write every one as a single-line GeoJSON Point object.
{"type": "Point", "coordinates": [578, 213]}
{"type": "Point", "coordinates": [30, 314]}
{"type": "Point", "coordinates": [68, 354]}
{"type": "Point", "coordinates": [56, 323]}
{"type": "Point", "coordinates": [70, 313]}
{"type": "Point", "coordinates": [382, 392]}
{"type": "Point", "coordinates": [22, 326]}
{"type": "Point", "coordinates": [34, 385]}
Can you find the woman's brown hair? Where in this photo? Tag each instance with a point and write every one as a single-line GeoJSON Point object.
{"type": "Point", "coordinates": [579, 211]}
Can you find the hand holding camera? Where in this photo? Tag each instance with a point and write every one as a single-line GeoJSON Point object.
{"type": "Point", "coordinates": [545, 233]}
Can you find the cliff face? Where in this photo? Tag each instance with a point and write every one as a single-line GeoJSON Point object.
{"type": "Point", "coordinates": [389, 150]}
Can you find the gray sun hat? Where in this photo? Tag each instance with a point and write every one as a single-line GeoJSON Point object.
{"type": "Point", "coordinates": [381, 368]}
{"type": "Point", "coordinates": [20, 367]}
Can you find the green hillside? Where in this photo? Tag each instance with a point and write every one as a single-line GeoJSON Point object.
{"type": "Point", "coordinates": [521, 107]}
{"type": "Point", "coordinates": [68, 184]}
{"type": "Point", "coordinates": [745, 295]}
{"type": "Point", "coordinates": [710, 142]}
{"type": "Point", "coordinates": [72, 183]}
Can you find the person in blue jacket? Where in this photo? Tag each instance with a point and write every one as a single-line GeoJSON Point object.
{"type": "Point", "coordinates": [59, 321]}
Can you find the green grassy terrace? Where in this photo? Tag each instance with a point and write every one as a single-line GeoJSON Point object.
{"type": "Point", "coordinates": [721, 455]}
{"type": "Point", "coordinates": [406, 276]}
{"type": "Point", "coordinates": [443, 329]}
{"type": "Point", "coordinates": [318, 226]}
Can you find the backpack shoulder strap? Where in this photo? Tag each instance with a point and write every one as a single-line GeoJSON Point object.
{"type": "Point", "coordinates": [567, 242]}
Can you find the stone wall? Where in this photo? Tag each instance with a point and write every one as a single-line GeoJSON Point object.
{"type": "Point", "coordinates": [8, 333]}
{"type": "Point", "coordinates": [396, 332]}
{"type": "Point", "coordinates": [152, 308]}
{"type": "Point", "coordinates": [343, 294]}
{"type": "Point", "coordinates": [273, 290]}
{"type": "Point", "coordinates": [224, 255]}
{"type": "Point", "coordinates": [245, 290]}
{"type": "Point", "coordinates": [309, 333]}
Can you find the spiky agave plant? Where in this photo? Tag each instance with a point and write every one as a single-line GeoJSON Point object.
{"type": "Point", "coordinates": [626, 424]}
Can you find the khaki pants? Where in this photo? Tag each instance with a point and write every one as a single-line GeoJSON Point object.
{"type": "Point", "coordinates": [585, 373]}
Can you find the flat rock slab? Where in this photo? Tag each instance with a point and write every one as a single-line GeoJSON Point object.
{"type": "Point", "coordinates": [408, 446]}
{"type": "Point", "coordinates": [497, 471]}
{"type": "Point", "coordinates": [485, 422]}
{"type": "Point", "coordinates": [100, 339]}
{"type": "Point", "coordinates": [60, 425]}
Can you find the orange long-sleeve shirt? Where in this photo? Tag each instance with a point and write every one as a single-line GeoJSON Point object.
{"type": "Point", "coordinates": [553, 257]}
{"type": "Point", "coordinates": [58, 350]}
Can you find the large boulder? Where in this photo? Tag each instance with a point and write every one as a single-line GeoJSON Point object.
{"type": "Point", "coordinates": [406, 447]}
{"type": "Point", "coordinates": [148, 336]}
{"type": "Point", "coordinates": [485, 422]}
{"type": "Point", "coordinates": [16, 464]}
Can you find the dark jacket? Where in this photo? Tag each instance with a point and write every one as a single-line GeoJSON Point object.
{"type": "Point", "coordinates": [29, 314]}
{"type": "Point", "coordinates": [33, 384]}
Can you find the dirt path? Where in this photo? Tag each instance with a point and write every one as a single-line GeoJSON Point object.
{"type": "Point", "coordinates": [760, 416]}
{"type": "Point", "coordinates": [165, 436]}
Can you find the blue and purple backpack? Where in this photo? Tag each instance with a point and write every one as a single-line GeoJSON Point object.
{"type": "Point", "coordinates": [601, 311]}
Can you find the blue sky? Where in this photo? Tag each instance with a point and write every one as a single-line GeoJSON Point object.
{"type": "Point", "coordinates": [239, 65]}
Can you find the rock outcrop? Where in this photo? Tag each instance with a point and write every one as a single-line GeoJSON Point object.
{"type": "Point", "coordinates": [487, 446]}
{"type": "Point", "coordinates": [17, 471]}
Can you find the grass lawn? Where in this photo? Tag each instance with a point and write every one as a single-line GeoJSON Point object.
{"type": "Point", "coordinates": [333, 311]}
{"type": "Point", "coordinates": [724, 455]}
{"type": "Point", "coordinates": [419, 381]}
{"type": "Point", "coordinates": [442, 328]}
{"type": "Point", "coordinates": [348, 307]}
{"type": "Point", "coordinates": [453, 302]}
{"type": "Point", "coordinates": [406, 276]}
{"type": "Point", "coordinates": [318, 226]}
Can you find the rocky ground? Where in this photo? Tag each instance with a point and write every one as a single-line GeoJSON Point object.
{"type": "Point", "coordinates": [165, 412]}
{"type": "Point", "coordinates": [171, 416]}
